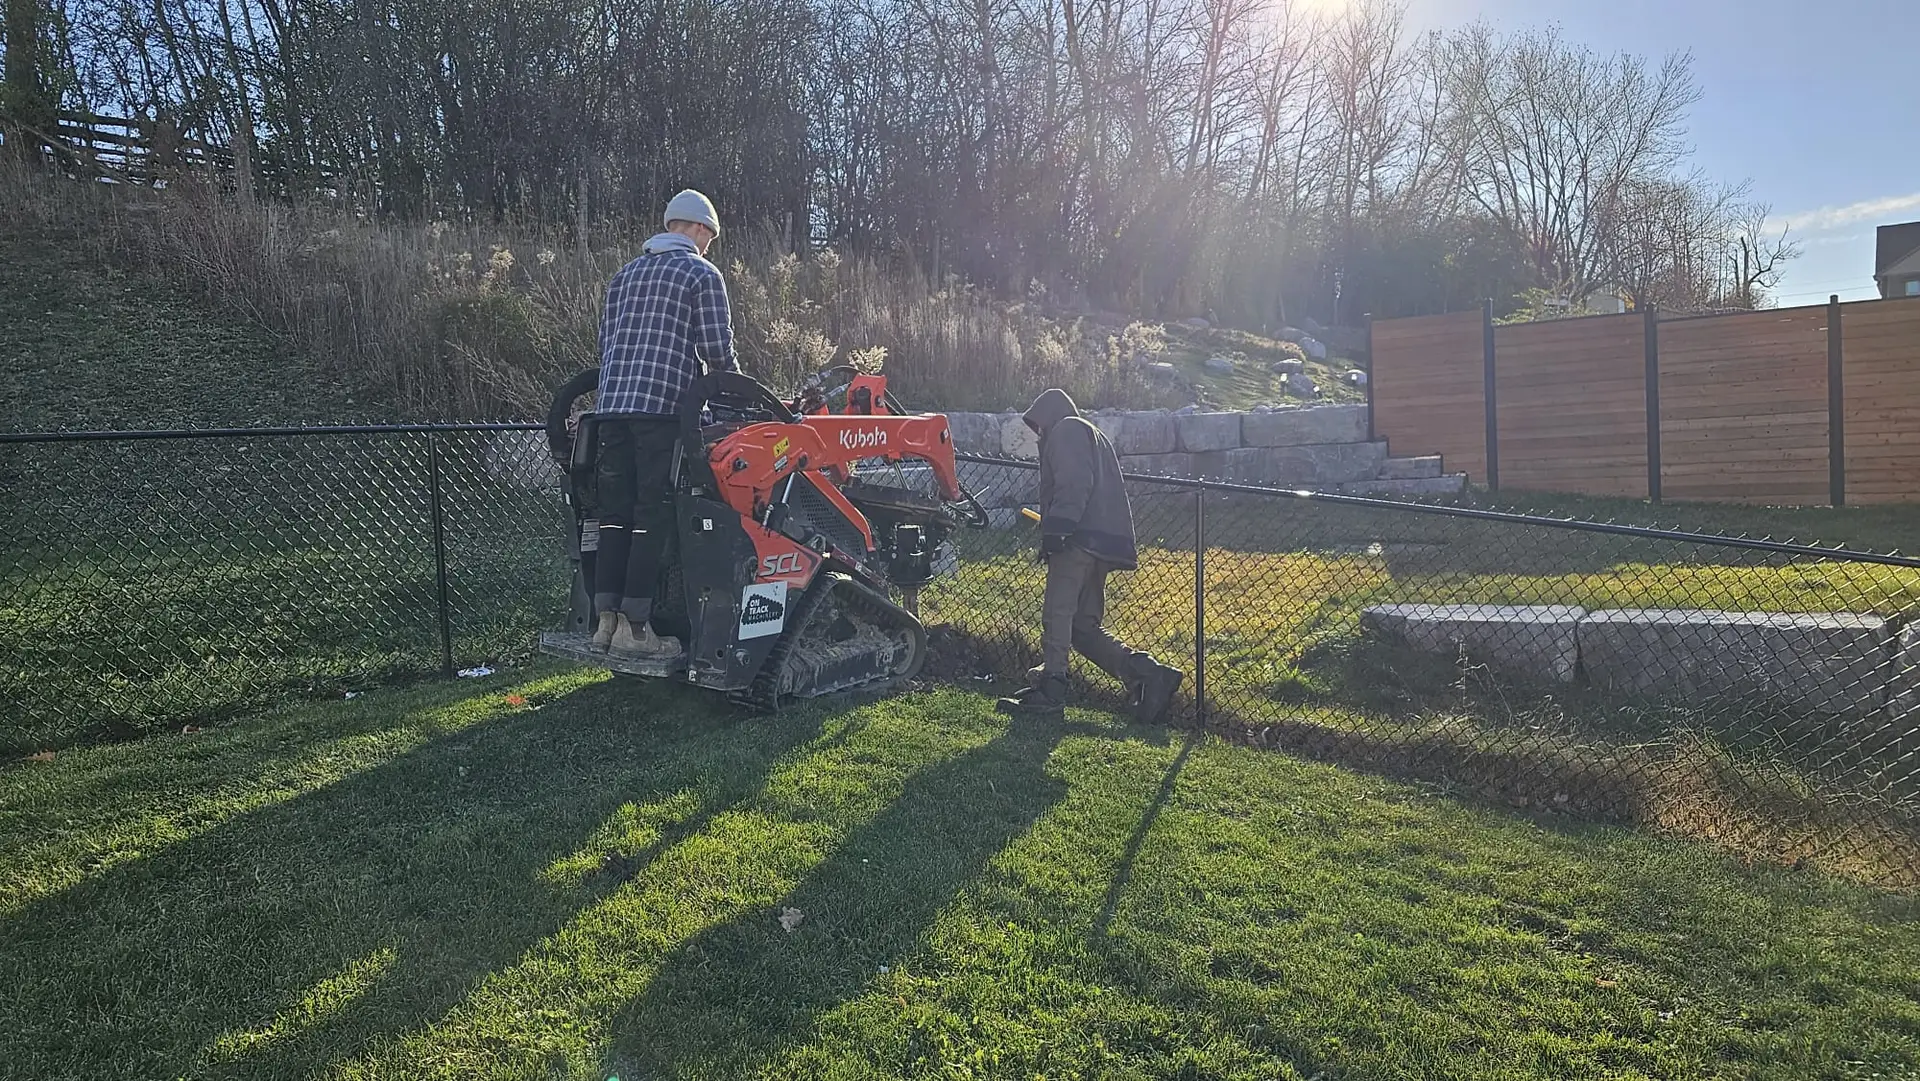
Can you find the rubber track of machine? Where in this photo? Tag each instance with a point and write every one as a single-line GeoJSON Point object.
{"type": "Point", "coordinates": [764, 695]}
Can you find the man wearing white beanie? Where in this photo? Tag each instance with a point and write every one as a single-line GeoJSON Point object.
{"type": "Point", "coordinates": [665, 323]}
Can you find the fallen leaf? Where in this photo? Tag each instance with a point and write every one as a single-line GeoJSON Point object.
{"type": "Point", "coordinates": [790, 918]}
{"type": "Point", "coordinates": [516, 700]}
{"type": "Point", "coordinates": [1606, 983]}
{"type": "Point", "coordinates": [189, 729]}
{"type": "Point", "coordinates": [40, 756]}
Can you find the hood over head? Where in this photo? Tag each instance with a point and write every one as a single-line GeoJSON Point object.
{"type": "Point", "coordinates": [664, 242]}
{"type": "Point", "coordinates": [1050, 408]}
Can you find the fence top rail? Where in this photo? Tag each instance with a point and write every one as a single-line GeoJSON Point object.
{"type": "Point", "coordinates": [129, 435]}
{"type": "Point", "coordinates": [1577, 525]}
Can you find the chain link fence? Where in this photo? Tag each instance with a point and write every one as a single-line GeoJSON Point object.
{"type": "Point", "coordinates": [1763, 697]}
{"type": "Point", "coordinates": [173, 578]}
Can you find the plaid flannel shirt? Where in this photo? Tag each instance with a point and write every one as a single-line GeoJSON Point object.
{"type": "Point", "coordinates": [666, 316]}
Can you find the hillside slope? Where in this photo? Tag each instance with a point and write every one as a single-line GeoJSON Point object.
{"type": "Point", "coordinates": [85, 345]}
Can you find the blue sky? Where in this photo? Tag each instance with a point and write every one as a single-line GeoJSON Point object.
{"type": "Point", "coordinates": [1817, 104]}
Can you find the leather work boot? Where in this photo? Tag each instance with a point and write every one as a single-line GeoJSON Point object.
{"type": "Point", "coordinates": [603, 633]}
{"type": "Point", "coordinates": [1043, 699]}
{"type": "Point", "coordinates": [1158, 684]}
{"type": "Point", "coordinates": [642, 645]}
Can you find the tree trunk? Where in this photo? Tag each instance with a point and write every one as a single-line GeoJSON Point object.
{"type": "Point", "coordinates": [21, 104]}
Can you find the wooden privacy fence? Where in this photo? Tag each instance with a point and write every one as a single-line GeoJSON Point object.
{"type": "Point", "coordinates": [1790, 406]}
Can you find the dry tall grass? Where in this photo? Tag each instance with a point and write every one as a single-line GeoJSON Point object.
{"type": "Point", "coordinates": [459, 321]}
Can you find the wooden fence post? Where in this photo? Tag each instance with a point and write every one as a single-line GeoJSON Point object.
{"type": "Point", "coordinates": [1490, 396]}
{"type": "Point", "coordinates": [1652, 317]}
{"type": "Point", "coordinates": [1836, 409]}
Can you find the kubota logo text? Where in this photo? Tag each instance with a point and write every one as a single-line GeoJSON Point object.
{"type": "Point", "coordinates": [853, 440]}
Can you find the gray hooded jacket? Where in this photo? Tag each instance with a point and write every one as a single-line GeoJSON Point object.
{"type": "Point", "coordinates": [1081, 494]}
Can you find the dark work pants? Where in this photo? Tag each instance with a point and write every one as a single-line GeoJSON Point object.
{"type": "Point", "coordinates": [635, 475]}
{"type": "Point", "coordinates": [1071, 615]}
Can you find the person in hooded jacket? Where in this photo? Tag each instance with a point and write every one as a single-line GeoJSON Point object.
{"type": "Point", "coordinates": [1086, 527]}
{"type": "Point", "coordinates": [665, 323]}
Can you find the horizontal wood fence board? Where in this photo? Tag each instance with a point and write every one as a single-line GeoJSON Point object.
{"type": "Point", "coordinates": [1881, 342]}
{"type": "Point", "coordinates": [1744, 402]}
{"type": "Point", "coordinates": [1572, 401]}
{"type": "Point", "coordinates": [1743, 407]}
{"type": "Point", "coordinates": [1428, 377]}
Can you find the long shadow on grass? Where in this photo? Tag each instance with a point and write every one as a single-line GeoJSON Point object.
{"type": "Point", "coordinates": [291, 937]}
{"type": "Point", "coordinates": [731, 999]}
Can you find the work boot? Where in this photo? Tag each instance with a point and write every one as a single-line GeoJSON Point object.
{"type": "Point", "coordinates": [643, 644]}
{"type": "Point", "coordinates": [603, 634]}
{"type": "Point", "coordinates": [1158, 684]}
{"type": "Point", "coordinates": [1043, 699]}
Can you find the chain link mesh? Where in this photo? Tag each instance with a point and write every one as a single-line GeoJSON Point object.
{"type": "Point", "coordinates": [155, 582]}
{"type": "Point", "coordinates": [1765, 699]}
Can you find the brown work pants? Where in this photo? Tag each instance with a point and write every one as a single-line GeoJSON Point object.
{"type": "Point", "coordinates": [1070, 619]}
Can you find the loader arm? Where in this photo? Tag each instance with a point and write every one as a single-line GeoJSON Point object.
{"type": "Point", "coordinates": [750, 463]}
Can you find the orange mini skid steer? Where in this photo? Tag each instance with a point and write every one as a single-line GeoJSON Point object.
{"type": "Point", "coordinates": [794, 573]}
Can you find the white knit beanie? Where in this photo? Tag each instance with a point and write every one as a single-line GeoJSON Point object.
{"type": "Point", "coordinates": [690, 205]}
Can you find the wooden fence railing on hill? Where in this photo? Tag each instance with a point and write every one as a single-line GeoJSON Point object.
{"type": "Point", "coordinates": [133, 151]}
{"type": "Point", "coordinates": [1790, 406]}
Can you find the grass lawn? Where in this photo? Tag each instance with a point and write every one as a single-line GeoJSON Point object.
{"type": "Point", "coordinates": [556, 875]}
{"type": "Point", "coordinates": [90, 346]}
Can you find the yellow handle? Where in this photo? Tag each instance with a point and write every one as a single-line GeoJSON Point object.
{"type": "Point", "coordinates": [1031, 514]}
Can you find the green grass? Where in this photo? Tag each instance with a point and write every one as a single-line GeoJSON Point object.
{"type": "Point", "coordinates": [1289, 663]}
{"type": "Point", "coordinates": [88, 346]}
{"type": "Point", "coordinates": [1252, 381]}
{"type": "Point", "coordinates": [562, 876]}
{"type": "Point", "coordinates": [236, 573]}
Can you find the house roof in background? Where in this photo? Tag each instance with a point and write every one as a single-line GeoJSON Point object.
{"type": "Point", "coordinates": [1905, 267]}
{"type": "Point", "coordinates": [1893, 244]}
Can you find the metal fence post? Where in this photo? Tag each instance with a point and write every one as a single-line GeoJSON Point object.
{"type": "Point", "coordinates": [439, 552]}
{"type": "Point", "coordinates": [1200, 607]}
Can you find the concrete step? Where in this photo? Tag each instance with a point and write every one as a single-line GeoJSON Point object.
{"type": "Point", "coordinates": [1421, 468]}
{"type": "Point", "coordinates": [1450, 484]}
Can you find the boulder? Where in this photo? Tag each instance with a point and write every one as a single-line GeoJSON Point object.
{"type": "Point", "coordinates": [1536, 641]}
{"type": "Point", "coordinates": [1355, 377]}
{"type": "Point", "coordinates": [1016, 439]}
{"type": "Point", "coordinates": [1824, 662]}
{"type": "Point", "coordinates": [1207, 431]}
{"type": "Point", "coordinates": [976, 433]}
{"type": "Point", "coordinates": [1160, 369]}
{"type": "Point", "coordinates": [1306, 465]}
{"type": "Point", "coordinates": [1300, 386]}
{"type": "Point", "coordinates": [1196, 324]}
{"type": "Point", "coordinates": [1289, 366]}
{"type": "Point", "coordinates": [1902, 728]}
{"type": "Point", "coordinates": [1420, 468]}
{"type": "Point", "coordinates": [1139, 432]}
{"type": "Point", "coordinates": [1313, 347]}
{"type": "Point", "coordinates": [1296, 427]}
{"type": "Point", "coordinates": [1220, 365]}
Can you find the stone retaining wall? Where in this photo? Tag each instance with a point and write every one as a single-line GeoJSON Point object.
{"type": "Point", "coordinates": [1321, 446]}
{"type": "Point", "coordinates": [1820, 662]}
